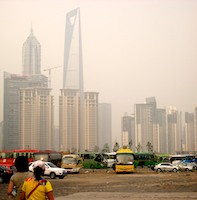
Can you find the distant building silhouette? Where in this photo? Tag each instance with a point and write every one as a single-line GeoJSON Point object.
{"type": "Point", "coordinates": [31, 55]}
{"type": "Point", "coordinates": [160, 129]}
{"type": "Point", "coordinates": [174, 130]}
{"type": "Point", "coordinates": [11, 112]}
{"type": "Point", "coordinates": [105, 125]}
{"type": "Point", "coordinates": [189, 132]}
{"type": "Point", "coordinates": [145, 118]}
{"type": "Point", "coordinates": [128, 131]}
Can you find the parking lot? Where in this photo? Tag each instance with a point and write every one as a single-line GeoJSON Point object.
{"type": "Point", "coordinates": [143, 184]}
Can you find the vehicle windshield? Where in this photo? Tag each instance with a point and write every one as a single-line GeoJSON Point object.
{"type": "Point", "coordinates": [125, 158]}
{"type": "Point", "coordinates": [51, 165]}
{"type": "Point", "coordinates": [68, 160]}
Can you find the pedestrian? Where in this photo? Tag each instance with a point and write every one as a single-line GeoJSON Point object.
{"type": "Point", "coordinates": [36, 187]}
{"type": "Point", "coordinates": [17, 179]}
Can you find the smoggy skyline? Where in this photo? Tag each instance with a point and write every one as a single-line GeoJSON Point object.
{"type": "Point", "coordinates": [131, 49]}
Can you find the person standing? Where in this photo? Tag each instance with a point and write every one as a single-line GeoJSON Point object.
{"type": "Point", "coordinates": [17, 179]}
{"type": "Point", "coordinates": [36, 187]}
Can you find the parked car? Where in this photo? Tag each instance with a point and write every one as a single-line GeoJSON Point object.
{"type": "Point", "coordinates": [161, 167]}
{"type": "Point", "coordinates": [183, 166]}
{"type": "Point", "coordinates": [51, 170]}
{"type": "Point", "coordinates": [5, 174]}
{"type": "Point", "coordinates": [191, 162]}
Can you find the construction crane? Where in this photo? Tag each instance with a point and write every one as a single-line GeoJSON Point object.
{"type": "Point", "coordinates": [49, 69]}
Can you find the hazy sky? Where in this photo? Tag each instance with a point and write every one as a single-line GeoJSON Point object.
{"type": "Point", "coordinates": [132, 49]}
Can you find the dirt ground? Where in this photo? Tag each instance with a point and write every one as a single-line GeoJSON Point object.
{"type": "Point", "coordinates": [142, 181]}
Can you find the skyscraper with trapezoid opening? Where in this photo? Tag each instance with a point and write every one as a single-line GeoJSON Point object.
{"type": "Point", "coordinates": [71, 102]}
{"type": "Point", "coordinates": [73, 64]}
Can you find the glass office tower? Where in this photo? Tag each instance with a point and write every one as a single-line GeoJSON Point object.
{"type": "Point", "coordinates": [71, 102]}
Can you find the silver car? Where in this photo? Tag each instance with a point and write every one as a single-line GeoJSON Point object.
{"type": "Point", "coordinates": [169, 167]}
{"type": "Point", "coordinates": [185, 166]}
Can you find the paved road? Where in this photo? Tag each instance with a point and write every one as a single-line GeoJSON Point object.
{"type": "Point", "coordinates": [128, 196]}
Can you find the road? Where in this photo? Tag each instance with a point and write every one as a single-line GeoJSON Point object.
{"type": "Point", "coordinates": [143, 184]}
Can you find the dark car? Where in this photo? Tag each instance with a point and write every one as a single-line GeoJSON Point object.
{"type": "Point", "coordinates": [5, 174]}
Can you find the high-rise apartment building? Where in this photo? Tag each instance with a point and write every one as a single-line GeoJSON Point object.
{"type": "Point", "coordinates": [105, 126]}
{"type": "Point", "coordinates": [36, 118]}
{"type": "Point", "coordinates": [174, 130]}
{"type": "Point", "coordinates": [69, 108]}
{"type": "Point", "coordinates": [91, 121]}
{"type": "Point", "coordinates": [128, 131]}
{"type": "Point", "coordinates": [189, 132]}
{"type": "Point", "coordinates": [160, 135]}
{"type": "Point", "coordinates": [31, 55]}
{"type": "Point", "coordinates": [12, 84]}
{"type": "Point", "coordinates": [145, 115]}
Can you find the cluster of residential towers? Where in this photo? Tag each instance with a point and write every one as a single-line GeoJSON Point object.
{"type": "Point", "coordinates": [84, 123]}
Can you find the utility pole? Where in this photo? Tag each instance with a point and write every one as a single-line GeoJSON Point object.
{"type": "Point", "coordinates": [49, 69]}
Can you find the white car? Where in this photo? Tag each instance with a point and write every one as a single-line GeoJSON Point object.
{"type": "Point", "coordinates": [185, 166]}
{"type": "Point", "coordinates": [166, 167]}
{"type": "Point", "coordinates": [51, 170]}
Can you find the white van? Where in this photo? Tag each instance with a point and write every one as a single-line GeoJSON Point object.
{"type": "Point", "coordinates": [109, 159]}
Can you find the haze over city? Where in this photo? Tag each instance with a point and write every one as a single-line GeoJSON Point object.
{"type": "Point", "coordinates": [131, 49]}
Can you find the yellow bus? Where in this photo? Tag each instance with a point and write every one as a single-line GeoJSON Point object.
{"type": "Point", "coordinates": [124, 161]}
{"type": "Point", "coordinates": [72, 163]}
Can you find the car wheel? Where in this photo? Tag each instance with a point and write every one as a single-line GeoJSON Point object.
{"type": "Point", "coordinates": [174, 170]}
{"type": "Point", "coordinates": [159, 170]}
{"type": "Point", "coordinates": [61, 177]}
{"type": "Point", "coordinates": [52, 175]}
{"type": "Point", "coordinates": [186, 169]}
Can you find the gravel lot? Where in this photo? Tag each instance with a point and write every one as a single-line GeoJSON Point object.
{"type": "Point", "coordinates": [143, 184]}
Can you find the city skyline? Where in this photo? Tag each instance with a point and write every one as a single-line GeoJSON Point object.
{"type": "Point", "coordinates": [131, 49]}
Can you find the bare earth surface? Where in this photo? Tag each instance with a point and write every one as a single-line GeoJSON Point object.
{"type": "Point", "coordinates": [143, 184]}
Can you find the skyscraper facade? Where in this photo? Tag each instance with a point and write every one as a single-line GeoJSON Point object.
{"type": "Point", "coordinates": [91, 120]}
{"type": "Point", "coordinates": [128, 131]}
{"type": "Point", "coordinates": [31, 55]}
{"type": "Point", "coordinates": [12, 84]}
{"type": "Point", "coordinates": [160, 135]}
{"type": "Point", "coordinates": [105, 126]}
{"type": "Point", "coordinates": [73, 64]}
{"type": "Point", "coordinates": [69, 108]}
{"type": "Point", "coordinates": [174, 130]}
{"type": "Point", "coordinates": [36, 118]}
{"type": "Point", "coordinates": [189, 132]}
{"type": "Point", "coordinates": [145, 115]}
{"type": "Point", "coordinates": [74, 138]}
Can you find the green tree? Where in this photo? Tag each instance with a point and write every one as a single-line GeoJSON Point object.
{"type": "Point", "coordinates": [105, 148]}
{"type": "Point", "coordinates": [149, 147]}
{"type": "Point", "coordinates": [139, 147]}
{"type": "Point", "coordinates": [116, 147]}
{"type": "Point", "coordinates": [130, 144]}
